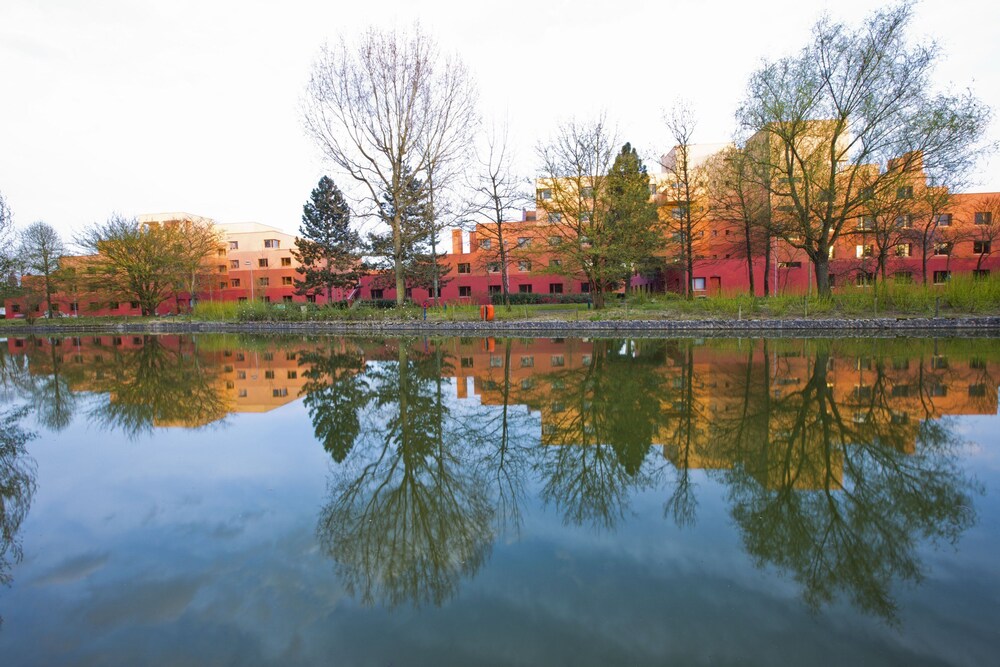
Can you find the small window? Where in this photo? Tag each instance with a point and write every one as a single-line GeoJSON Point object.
{"type": "Point", "coordinates": [903, 277]}
{"type": "Point", "coordinates": [486, 244]}
{"type": "Point", "coordinates": [493, 289]}
{"type": "Point", "coordinates": [286, 261]}
{"type": "Point", "coordinates": [983, 217]}
{"type": "Point", "coordinates": [904, 221]}
{"type": "Point", "coordinates": [980, 274]}
{"type": "Point", "coordinates": [408, 293]}
{"type": "Point", "coordinates": [981, 247]}
{"type": "Point", "coordinates": [467, 362]}
{"type": "Point", "coordinates": [133, 304]}
{"type": "Point", "coordinates": [584, 288]}
{"type": "Point", "coordinates": [293, 375]}
{"type": "Point", "coordinates": [311, 298]}
{"type": "Point", "coordinates": [235, 282]}
{"type": "Point", "coordinates": [904, 250]}
{"type": "Point", "coordinates": [378, 294]}
{"type": "Point", "coordinates": [555, 288]}
{"type": "Point", "coordinates": [264, 282]}
{"type": "Point", "coordinates": [223, 285]}
{"type": "Point", "coordinates": [268, 375]}
{"type": "Point", "coordinates": [587, 193]}
{"type": "Point", "coordinates": [523, 241]}
{"type": "Point", "coordinates": [524, 289]}
{"type": "Point", "coordinates": [527, 361]}
{"type": "Point", "coordinates": [286, 280]}
{"type": "Point", "coordinates": [279, 393]}
{"type": "Point", "coordinates": [15, 307]}
{"type": "Point", "coordinates": [272, 243]}
{"type": "Point", "coordinates": [905, 192]}
{"type": "Point", "coordinates": [555, 263]}
{"type": "Point", "coordinates": [234, 264]}
{"type": "Point", "coordinates": [866, 223]}
{"type": "Point", "coordinates": [262, 262]}
{"type": "Point", "coordinates": [864, 278]}
{"type": "Point", "coordinates": [464, 290]}
{"type": "Point", "coordinates": [864, 251]}
{"type": "Point", "coordinates": [558, 361]}
{"type": "Point", "coordinates": [942, 248]}
{"type": "Point", "coordinates": [545, 193]}
{"type": "Point", "coordinates": [524, 265]}
{"type": "Point", "coordinates": [492, 267]}
{"type": "Point", "coordinates": [555, 217]}
{"type": "Point", "coordinates": [789, 265]}
{"type": "Point", "coordinates": [943, 220]}
{"type": "Point", "coordinates": [286, 299]}
{"type": "Point", "coordinates": [698, 284]}
{"type": "Point", "coordinates": [222, 268]}
{"type": "Point", "coordinates": [941, 277]}
{"type": "Point", "coordinates": [465, 268]}
{"type": "Point", "coordinates": [241, 299]}
{"type": "Point", "coordinates": [234, 245]}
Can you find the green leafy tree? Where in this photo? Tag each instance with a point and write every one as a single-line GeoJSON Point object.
{"type": "Point", "coordinates": [40, 251]}
{"type": "Point", "coordinates": [328, 250]}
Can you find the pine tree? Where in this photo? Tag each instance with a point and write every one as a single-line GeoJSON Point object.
{"type": "Point", "coordinates": [415, 257]}
{"type": "Point", "coordinates": [631, 215]}
{"type": "Point", "coordinates": [328, 251]}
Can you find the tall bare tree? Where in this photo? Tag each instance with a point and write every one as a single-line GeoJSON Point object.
{"type": "Point", "coordinates": [378, 110]}
{"type": "Point", "coordinates": [851, 100]}
{"type": "Point", "coordinates": [8, 262]}
{"type": "Point", "coordinates": [572, 190]}
{"type": "Point", "coordinates": [498, 192]}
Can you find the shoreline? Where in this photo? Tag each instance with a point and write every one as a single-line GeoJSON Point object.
{"type": "Point", "coordinates": [910, 327]}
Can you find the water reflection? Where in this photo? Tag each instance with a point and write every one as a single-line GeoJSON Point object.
{"type": "Point", "coordinates": [838, 459]}
{"type": "Point", "coordinates": [17, 487]}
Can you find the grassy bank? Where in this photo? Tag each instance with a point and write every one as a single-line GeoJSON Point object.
{"type": "Point", "coordinates": [959, 298]}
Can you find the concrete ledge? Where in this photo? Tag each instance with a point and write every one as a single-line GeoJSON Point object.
{"type": "Point", "coordinates": [799, 328]}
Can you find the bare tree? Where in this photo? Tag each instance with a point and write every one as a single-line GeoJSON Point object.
{"type": "Point", "coordinates": [930, 222]}
{"type": "Point", "coordinates": [8, 263]}
{"type": "Point", "coordinates": [498, 193]}
{"type": "Point", "coordinates": [686, 209]}
{"type": "Point", "coordinates": [575, 166]}
{"type": "Point", "coordinates": [850, 101]}
{"type": "Point", "coordinates": [378, 111]}
{"type": "Point", "coordinates": [39, 254]}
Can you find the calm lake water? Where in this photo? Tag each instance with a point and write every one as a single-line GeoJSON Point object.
{"type": "Point", "coordinates": [326, 500]}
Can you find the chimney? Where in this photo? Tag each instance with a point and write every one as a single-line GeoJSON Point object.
{"type": "Point", "coordinates": [472, 241]}
{"type": "Point", "coordinates": [456, 241]}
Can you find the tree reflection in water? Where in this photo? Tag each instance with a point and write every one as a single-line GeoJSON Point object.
{"type": "Point", "coordinates": [17, 487]}
{"type": "Point", "coordinates": [408, 518]}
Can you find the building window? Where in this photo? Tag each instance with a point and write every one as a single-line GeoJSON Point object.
{"type": "Point", "coordinates": [904, 221]}
{"type": "Point", "coordinates": [980, 274]}
{"type": "Point", "coordinates": [983, 217]}
{"type": "Point", "coordinates": [524, 289]}
{"type": "Point", "coordinates": [555, 217]}
{"type": "Point", "coordinates": [286, 299]}
{"type": "Point", "coordinates": [698, 284]}
{"type": "Point", "coordinates": [286, 261]}
{"type": "Point", "coordinates": [864, 278]}
{"type": "Point", "coordinates": [523, 241]}
{"type": "Point", "coordinates": [378, 294]}
{"type": "Point", "coordinates": [943, 220]}
{"type": "Point", "coordinates": [904, 249]}
{"type": "Point", "coordinates": [311, 298]}
{"type": "Point", "coordinates": [545, 193]}
{"type": "Point", "coordinates": [262, 263]}
{"type": "Point", "coordinates": [235, 282]}
{"type": "Point", "coordinates": [234, 245]}
{"type": "Point", "coordinates": [74, 307]}
{"type": "Point", "coordinates": [242, 299]}
{"type": "Point", "coordinates": [941, 277]}
{"type": "Point", "coordinates": [292, 375]}
{"type": "Point", "coordinates": [286, 280]}
{"type": "Point", "coordinates": [234, 264]}
{"type": "Point", "coordinates": [555, 263]}
{"type": "Point", "coordinates": [863, 251]}
{"type": "Point", "coordinates": [492, 267]}
{"type": "Point", "coordinates": [267, 299]}
{"type": "Point", "coordinates": [268, 375]}
{"type": "Point", "coordinates": [527, 361]}
{"type": "Point", "coordinates": [866, 223]}
{"type": "Point", "coordinates": [486, 244]}
{"type": "Point", "coordinates": [467, 362]}
{"type": "Point", "coordinates": [942, 248]}
{"type": "Point", "coordinates": [555, 288]}
{"type": "Point", "coordinates": [587, 193]}
{"type": "Point", "coordinates": [464, 290]}
{"type": "Point", "coordinates": [905, 277]}
{"type": "Point", "coordinates": [223, 285]}
{"type": "Point", "coordinates": [557, 361]}
{"type": "Point", "coordinates": [272, 243]}
{"type": "Point", "coordinates": [465, 268]}
{"type": "Point", "coordinates": [133, 304]}
{"type": "Point", "coordinates": [408, 293]}
{"type": "Point", "coordinates": [264, 282]}
{"type": "Point", "coordinates": [493, 289]}
{"type": "Point", "coordinates": [584, 216]}
{"type": "Point", "coordinates": [279, 393]}
{"type": "Point", "coordinates": [222, 268]}
{"type": "Point", "coordinates": [905, 192]}
{"type": "Point", "coordinates": [524, 265]}
{"type": "Point", "coordinates": [981, 247]}
{"type": "Point", "coordinates": [789, 265]}
{"type": "Point", "coordinates": [584, 288]}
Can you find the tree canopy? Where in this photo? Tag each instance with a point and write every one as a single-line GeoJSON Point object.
{"type": "Point", "coordinates": [329, 249]}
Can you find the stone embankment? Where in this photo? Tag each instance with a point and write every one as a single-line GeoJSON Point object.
{"type": "Point", "coordinates": [799, 328]}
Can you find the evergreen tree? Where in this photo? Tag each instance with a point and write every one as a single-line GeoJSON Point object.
{"type": "Point", "coordinates": [631, 214]}
{"type": "Point", "coordinates": [328, 250]}
{"type": "Point", "coordinates": [415, 256]}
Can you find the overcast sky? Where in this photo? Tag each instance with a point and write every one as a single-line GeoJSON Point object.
{"type": "Point", "coordinates": [192, 105]}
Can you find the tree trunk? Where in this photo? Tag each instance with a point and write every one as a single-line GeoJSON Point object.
{"type": "Point", "coordinates": [767, 268]}
{"type": "Point", "coordinates": [748, 242]}
{"type": "Point", "coordinates": [822, 275]}
{"type": "Point", "coordinates": [397, 257]}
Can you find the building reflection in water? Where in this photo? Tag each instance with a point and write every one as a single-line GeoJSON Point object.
{"type": "Point", "coordinates": [837, 457]}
